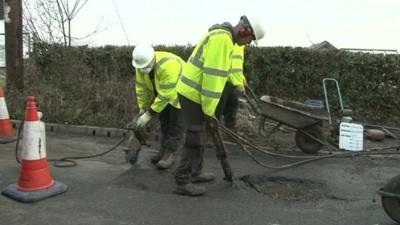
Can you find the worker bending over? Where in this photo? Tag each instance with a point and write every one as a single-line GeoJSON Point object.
{"type": "Point", "coordinates": [156, 76]}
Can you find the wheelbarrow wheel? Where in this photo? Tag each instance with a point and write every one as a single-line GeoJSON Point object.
{"type": "Point", "coordinates": [392, 207]}
{"type": "Point", "coordinates": [306, 143]}
{"type": "Point", "coordinates": [391, 198]}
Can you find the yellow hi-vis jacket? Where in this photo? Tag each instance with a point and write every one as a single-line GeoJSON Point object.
{"type": "Point", "coordinates": [205, 74]}
{"type": "Point", "coordinates": [167, 70]}
{"type": "Point", "coordinates": [236, 77]}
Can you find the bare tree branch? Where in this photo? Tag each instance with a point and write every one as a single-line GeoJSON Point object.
{"type": "Point", "coordinates": [62, 22]}
{"type": "Point", "coordinates": [50, 20]}
{"type": "Point", "coordinates": [78, 8]}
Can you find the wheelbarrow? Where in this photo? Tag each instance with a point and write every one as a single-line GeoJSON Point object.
{"type": "Point", "coordinates": [314, 125]}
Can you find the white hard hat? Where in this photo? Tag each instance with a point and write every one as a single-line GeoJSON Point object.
{"type": "Point", "coordinates": [257, 27]}
{"type": "Point", "coordinates": [142, 55]}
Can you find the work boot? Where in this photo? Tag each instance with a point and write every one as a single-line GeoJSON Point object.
{"type": "Point", "coordinates": [155, 158]}
{"type": "Point", "coordinates": [203, 178]}
{"type": "Point", "coordinates": [190, 190]}
{"type": "Point", "coordinates": [166, 161]}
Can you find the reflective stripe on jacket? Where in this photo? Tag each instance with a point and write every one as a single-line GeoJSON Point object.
{"type": "Point", "coordinates": [236, 77]}
{"type": "Point", "coordinates": [167, 70]}
{"type": "Point", "coordinates": [205, 74]}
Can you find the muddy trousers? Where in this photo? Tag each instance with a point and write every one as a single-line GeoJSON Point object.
{"type": "Point", "coordinates": [172, 128]}
{"type": "Point", "coordinates": [228, 106]}
{"type": "Point", "coordinates": [191, 162]}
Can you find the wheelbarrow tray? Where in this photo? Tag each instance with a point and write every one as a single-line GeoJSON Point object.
{"type": "Point", "coordinates": [291, 113]}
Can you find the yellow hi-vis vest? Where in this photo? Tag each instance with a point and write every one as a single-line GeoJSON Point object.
{"type": "Point", "coordinates": [205, 74]}
{"type": "Point", "coordinates": [236, 77]}
{"type": "Point", "coordinates": [167, 70]}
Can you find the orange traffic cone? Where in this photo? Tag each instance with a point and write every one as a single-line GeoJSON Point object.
{"type": "Point", "coordinates": [35, 182]}
{"type": "Point", "coordinates": [6, 130]}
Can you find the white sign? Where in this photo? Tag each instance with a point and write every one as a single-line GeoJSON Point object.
{"type": "Point", "coordinates": [351, 136]}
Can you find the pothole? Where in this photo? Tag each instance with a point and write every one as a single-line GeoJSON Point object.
{"type": "Point", "coordinates": [284, 188]}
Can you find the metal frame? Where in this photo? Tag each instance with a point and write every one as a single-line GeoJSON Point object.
{"type": "Point", "coordinates": [324, 84]}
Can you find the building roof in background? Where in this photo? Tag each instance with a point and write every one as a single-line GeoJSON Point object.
{"type": "Point", "coordinates": [373, 51]}
{"type": "Point", "coordinates": [325, 45]}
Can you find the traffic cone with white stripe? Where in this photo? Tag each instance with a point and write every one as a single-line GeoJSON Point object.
{"type": "Point", "coordinates": [6, 130]}
{"type": "Point", "coordinates": [35, 182]}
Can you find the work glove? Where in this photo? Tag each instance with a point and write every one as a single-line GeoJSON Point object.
{"type": "Point", "coordinates": [207, 117]}
{"type": "Point", "coordinates": [240, 90]}
{"type": "Point", "coordinates": [141, 111]}
{"type": "Point", "coordinates": [142, 121]}
{"type": "Point", "coordinates": [131, 125]}
{"type": "Point", "coordinates": [210, 121]}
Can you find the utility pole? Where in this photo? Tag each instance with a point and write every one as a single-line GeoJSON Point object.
{"type": "Point", "coordinates": [14, 44]}
{"type": "Point", "coordinates": [1, 10]}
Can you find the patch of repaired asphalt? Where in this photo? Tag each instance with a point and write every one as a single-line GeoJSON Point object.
{"type": "Point", "coordinates": [284, 188]}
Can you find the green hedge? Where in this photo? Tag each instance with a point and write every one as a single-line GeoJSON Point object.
{"type": "Point", "coordinates": [370, 83]}
{"type": "Point", "coordinates": [94, 86]}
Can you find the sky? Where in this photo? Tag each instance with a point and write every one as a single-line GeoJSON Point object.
{"type": "Point", "coordinates": [344, 23]}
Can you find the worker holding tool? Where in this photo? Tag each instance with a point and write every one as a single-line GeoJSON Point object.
{"type": "Point", "coordinates": [235, 86]}
{"type": "Point", "coordinates": [156, 77]}
{"type": "Point", "coordinates": [199, 90]}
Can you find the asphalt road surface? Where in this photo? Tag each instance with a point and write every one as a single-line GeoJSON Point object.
{"type": "Point", "coordinates": [107, 191]}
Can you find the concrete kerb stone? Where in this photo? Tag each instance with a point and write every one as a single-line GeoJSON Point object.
{"type": "Point", "coordinates": [79, 130]}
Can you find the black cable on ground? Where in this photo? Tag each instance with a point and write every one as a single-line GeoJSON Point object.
{"type": "Point", "coordinates": [66, 161]}
{"type": "Point", "coordinates": [238, 139]}
{"type": "Point", "coordinates": [17, 143]}
{"type": "Point", "coordinates": [63, 162]}
{"type": "Point", "coordinates": [8, 141]}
